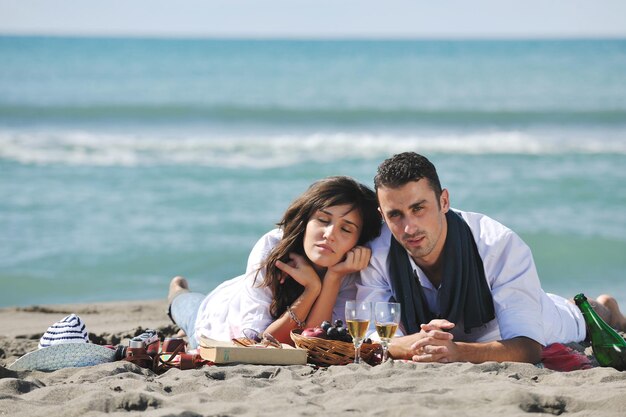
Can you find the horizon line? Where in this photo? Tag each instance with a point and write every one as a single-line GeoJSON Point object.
{"type": "Point", "coordinates": [318, 37]}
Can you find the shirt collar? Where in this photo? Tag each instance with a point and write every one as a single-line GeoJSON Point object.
{"type": "Point", "coordinates": [421, 276]}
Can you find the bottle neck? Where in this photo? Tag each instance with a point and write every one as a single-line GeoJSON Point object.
{"type": "Point", "coordinates": [597, 329]}
{"type": "Point", "coordinates": [587, 311]}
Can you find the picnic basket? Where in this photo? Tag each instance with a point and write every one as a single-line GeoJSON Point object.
{"type": "Point", "coordinates": [324, 352]}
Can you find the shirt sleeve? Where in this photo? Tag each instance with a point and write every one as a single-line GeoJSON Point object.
{"type": "Point", "coordinates": [515, 288]}
{"type": "Point", "coordinates": [373, 283]}
{"type": "Point", "coordinates": [254, 305]}
{"type": "Point", "coordinates": [255, 300]}
{"type": "Point", "coordinates": [347, 292]}
{"type": "Point", "coordinates": [262, 249]}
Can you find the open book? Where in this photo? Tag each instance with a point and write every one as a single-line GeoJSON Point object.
{"type": "Point", "coordinates": [218, 351]}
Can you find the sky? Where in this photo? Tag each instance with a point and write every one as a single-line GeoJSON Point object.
{"type": "Point", "coordinates": [317, 19]}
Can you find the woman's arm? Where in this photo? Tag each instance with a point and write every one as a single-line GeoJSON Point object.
{"type": "Point", "coordinates": [300, 270]}
{"type": "Point", "coordinates": [282, 326]}
{"type": "Point", "coordinates": [356, 259]}
{"type": "Point", "coordinates": [323, 307]}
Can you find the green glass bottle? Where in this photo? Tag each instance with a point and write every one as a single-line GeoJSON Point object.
{"type": "Point", "coordinates": [608, 346]}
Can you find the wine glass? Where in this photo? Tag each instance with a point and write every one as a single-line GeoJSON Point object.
{"type": "Point", "coordinates": [358, 315]}
{"type": "Point", "coordinates": [387, 318]}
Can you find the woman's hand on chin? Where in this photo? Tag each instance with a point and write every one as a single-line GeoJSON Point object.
{"type": "Point", "coordinates": [356, 259]}
{"type": "Point", "coordinates": [300, 270]}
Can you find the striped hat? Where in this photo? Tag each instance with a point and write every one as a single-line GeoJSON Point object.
{"type": "Point", "coordinates": [70, 329]}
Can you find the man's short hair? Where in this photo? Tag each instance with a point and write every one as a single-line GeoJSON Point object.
{"type": "Point", "coordinates": [405, 167]}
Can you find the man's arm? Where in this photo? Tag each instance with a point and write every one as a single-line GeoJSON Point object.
{"type": "Point", "coordinates": [517, 298]}
{"type": "Point", "coordinates": [401, 347]}
{"type": "Point", "coordinates": [517, 349]}
{"type": "Point", "coordinates": [434, 344]}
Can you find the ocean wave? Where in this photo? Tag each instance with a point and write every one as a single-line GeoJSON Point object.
{"type": "Point", "coordinates": [270, 151]}
{"type": "Point", "coordinates": [272, 115]}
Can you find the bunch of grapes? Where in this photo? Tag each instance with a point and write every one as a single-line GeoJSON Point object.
{"type": "Point", "coordinates": [336, 331]}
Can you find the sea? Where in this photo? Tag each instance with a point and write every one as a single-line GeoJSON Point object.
{"type": "Point", "coordinates": [125, 161]}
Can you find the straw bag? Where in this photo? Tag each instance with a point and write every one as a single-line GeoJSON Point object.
{"type": "Point", "coordinates": [323, 352]}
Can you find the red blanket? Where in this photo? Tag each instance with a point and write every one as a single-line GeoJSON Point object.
{"type": "Point", "coordinates": [559, 357]}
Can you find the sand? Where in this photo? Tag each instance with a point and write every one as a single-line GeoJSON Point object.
{"type": "Point", "coordinates": [391, 389]}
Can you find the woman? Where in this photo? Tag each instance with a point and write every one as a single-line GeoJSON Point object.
{"type": "Point", "coordinates": [298, 275]}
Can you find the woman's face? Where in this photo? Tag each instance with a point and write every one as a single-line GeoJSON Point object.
{"type": "Point", "coordinates": [331, 233]}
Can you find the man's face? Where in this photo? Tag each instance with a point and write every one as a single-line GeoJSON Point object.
{"type": "Point", "coordinates": [416, 219]}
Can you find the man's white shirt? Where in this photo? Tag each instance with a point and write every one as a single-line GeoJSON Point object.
{"type": "Point", "coordinates": [522, 307]}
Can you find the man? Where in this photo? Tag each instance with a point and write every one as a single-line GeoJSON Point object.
{"type": "Point", "coordinates": [467, 284]}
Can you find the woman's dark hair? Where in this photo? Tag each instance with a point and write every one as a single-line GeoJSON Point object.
{"type": "Point", "coordinates": [328, 192]}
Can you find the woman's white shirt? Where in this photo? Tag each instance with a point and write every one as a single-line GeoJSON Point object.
{"type": "Point", "coordinates": [242, 302]}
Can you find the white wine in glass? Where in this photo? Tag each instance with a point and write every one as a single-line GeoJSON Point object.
{"type": "Point", "coordinates": [387, 318]}
{"type": "Point", "coordinates": [358, 315]}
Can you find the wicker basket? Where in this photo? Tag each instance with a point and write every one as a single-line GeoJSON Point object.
{"type": "Point", "coordinates": [323, 352]}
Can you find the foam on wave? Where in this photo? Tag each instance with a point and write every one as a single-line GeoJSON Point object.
{"type": "Point", "coordinates": [278, 150]}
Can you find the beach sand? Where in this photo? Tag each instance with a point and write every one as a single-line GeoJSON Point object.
{"type": "Point", "coordinates": [391, 389]}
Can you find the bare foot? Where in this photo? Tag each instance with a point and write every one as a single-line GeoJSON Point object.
{"type": "Point", "coordinates": [177, 285]}
{"type": "Point", "coordinates": [615, 317]}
